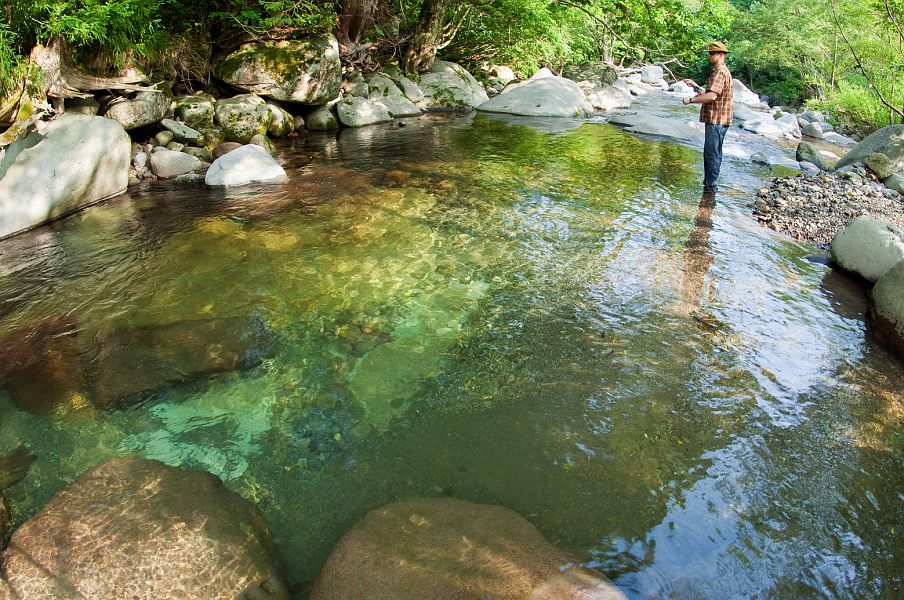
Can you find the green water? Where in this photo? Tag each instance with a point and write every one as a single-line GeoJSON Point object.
{"type": "Point", "coordinates": [541, 317]}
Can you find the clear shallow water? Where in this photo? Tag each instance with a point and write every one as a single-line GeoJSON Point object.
{"type": "Point", "coordinates": [541, 317]}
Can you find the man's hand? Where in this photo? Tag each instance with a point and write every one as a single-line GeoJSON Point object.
{"type": "Point", "coordinates": [691, 83]}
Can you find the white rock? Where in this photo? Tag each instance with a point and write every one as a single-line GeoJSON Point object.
{"type": "Point", "coordinates": [546, 97]}
{"type": "Point", "coordinates": [868, 247]}
{"type": "Point", "coordinates": [679, 87]}
{"type": "Point", "coordinates": [74, 161]}
{"type": "Point", "coordinates": [741, 94]}
{"type": "Point", "coordinates": [651, 74]}
{"type": "Point", "coordinates": [248, 164]}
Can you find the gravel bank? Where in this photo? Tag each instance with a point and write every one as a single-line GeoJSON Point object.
{"type": "Point", "coordinates": [812, 208]}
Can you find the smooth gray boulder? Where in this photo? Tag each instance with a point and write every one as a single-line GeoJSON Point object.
{"type": "Point", "coordinates": [303, 71]}
{"type": "Point", "coordinates": [282, 123]}
{"type": "Point", "coordinates": [182, 133]}
{"type": "Point", "coordinates": [248, 164]}
{"type": "Point", "coordinates": [895, 182]}
{"type": "Point", "coordinates": [888, 141]}
{"type": "Point", "coordinates": [838, 139]}
{"type": "Point", "coordinates": [651, 74]}
{"type": "Point", "coordinates": [146, 108]}
{"type": "Point", "coordinates": [242, 117]}
{"type": "Point", "coordinates": [411, 90]}
{"type": "Point", "coordinates": [196, 111]}
{"type": "Point", "coordinates": [545, 97]}
{"type": "Point", "coordinates": [765, 124]}
{"type": "Point", "coordinates": [448, 549]}
{"type": "Point", "coordinates": [813, 116]}
{"type": "Point", "coordinates": [69, 163]}
{"type": "Point", "coordinates": [322, 119]}
{"type": "Point", "coordinates": [807, 152]}
{"type": "Point", "coordinates": [170, 163]}
{"type": "Point", "coordinates": [888, 306]}
{"type": "Point", "coordinates": [358, 112]}
{"type": "Point", "coordinates": [385, 91]}
{"type": "Point", "coordinates": [741, 94]}
{"type": "Point", "coordinates": [138, 529]}
{"type": "Point", "coordinates": [813, 130]}
{"type": "Point", "coordinates": [608, 97]}
{"type": "Point", "coordinates": [448, 86]}
{"type": "Point", "coordinates": [868, 247]}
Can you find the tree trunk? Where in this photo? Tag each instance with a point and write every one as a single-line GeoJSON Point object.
{"type": "Point", "coordinates": [355, 18]}
{"type": "Point", "coordinates": [424, 43]}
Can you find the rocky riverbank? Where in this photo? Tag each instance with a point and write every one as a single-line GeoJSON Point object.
{"type": "Point", "coordinates": [812, 208]}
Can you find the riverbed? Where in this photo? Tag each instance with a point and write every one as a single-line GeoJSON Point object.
{"type": "Point", "coordinates": [540, 314]}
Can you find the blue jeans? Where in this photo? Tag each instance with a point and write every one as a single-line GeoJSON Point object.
{"type": "Point", "coordinates": [712, 155]}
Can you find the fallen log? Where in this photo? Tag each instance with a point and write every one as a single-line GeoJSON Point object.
{"type": "Point", "coordinates": [64, 79]}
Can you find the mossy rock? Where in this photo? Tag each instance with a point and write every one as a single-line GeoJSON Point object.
{"type": "Point", "coordinates": [322, 119]}
{"type": "Point", "coordinates": [302, 71]}
{"type": "Point", "coordinates": [282, 123]}
{"type": "Point", "coordinates": [196, 111]}
{"type": "Point", "coordinates": [450, 86]}
{"type": "Point", "coordinates": [242, 117]}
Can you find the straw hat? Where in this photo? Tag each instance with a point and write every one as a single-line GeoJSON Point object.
{"type": "Point", "coordinates": [716, 47]}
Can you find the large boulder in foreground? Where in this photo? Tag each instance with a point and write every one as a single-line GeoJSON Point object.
{"type": "Point", "coordinates": [868, 247]}
{"type": "Point", "coordinates": [302, 71]}
{"type": "Point", "coordinates": [545, 97]}
{"type": "Point", "coordinates": [134, 528]}
{"type": "Point", "coordinates": [449, 86]}
{"type": "Point", "coordinates": [445, 549]}
{"type": "Point", "coordinates": [888, 141]}
{"type": "Point", "coordinates": [72, 162]}
{"type": "Point", "coordinates": [888, 306]}
{"type": "Point", "coordinates": [248, 164]}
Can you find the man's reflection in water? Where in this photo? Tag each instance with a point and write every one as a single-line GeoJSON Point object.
{"type": "Point", "coordinates": [697, 255]}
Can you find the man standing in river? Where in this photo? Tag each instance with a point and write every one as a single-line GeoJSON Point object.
{"type": "Point", "coordinates": [716, 112]}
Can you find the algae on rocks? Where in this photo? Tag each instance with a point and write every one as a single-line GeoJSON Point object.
{"type": "Point", "coordinates": [302, 71]}
{"type": "Point", "coordinates": [242, 117]}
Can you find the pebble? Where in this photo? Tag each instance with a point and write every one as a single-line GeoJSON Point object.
{"type": "Point", "coordinates": [812, 208]}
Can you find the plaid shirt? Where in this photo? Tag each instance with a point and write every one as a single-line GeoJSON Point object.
{"type": "Point", "coordinates": [719, 111]}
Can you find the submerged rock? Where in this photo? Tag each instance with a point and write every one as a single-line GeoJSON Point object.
{"type": "Point", "coordinates": [134, 528]}
{"type": "Point", "coordinates": [447, 549]}
{"type": "Point", "coordinates": [141, 359]}
{"type": "Point", "coordinates": [40, 365]}
{"type": "Point", "coordinates": [868, 247]}
{"type": "Point", "coordinates": [80, 160]}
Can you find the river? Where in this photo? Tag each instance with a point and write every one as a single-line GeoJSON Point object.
{"type": "Point", "coordinates": [538, 314]}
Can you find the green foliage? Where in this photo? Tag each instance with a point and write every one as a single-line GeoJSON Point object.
{"type": "Point", "coordinates": [262, 18]}
{"type": "Point", "coordinates": [12, 65]}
